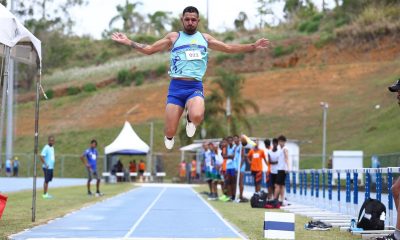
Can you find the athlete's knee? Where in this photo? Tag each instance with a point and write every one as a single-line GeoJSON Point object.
{"type": "Point", "coordinates": [196, 118]}
{"type": "Point", "coordinates": [170, 131]}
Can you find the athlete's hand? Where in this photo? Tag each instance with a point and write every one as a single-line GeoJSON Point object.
{"type": "Point", "coordinates": [120, 38]}
{"type": "Point", "coordinates": [261, 43]}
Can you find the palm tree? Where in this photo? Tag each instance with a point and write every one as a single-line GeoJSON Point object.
{"type": "Point", "coordinates": [230, 86]}
{"type": "Point", "coordinates": [227, 86]}
{"type": "Point", "coordinates": [158, 21]}
{"type": "Point", "coordinates": [129, 16]}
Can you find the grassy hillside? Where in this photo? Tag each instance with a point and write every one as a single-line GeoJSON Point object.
{"type": "Point", "coordinates": [288, 100]}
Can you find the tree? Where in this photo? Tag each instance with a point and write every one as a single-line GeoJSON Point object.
{"type": "Point", "coordinates": [240, 21]}
{"type": "Point", "coordinates": [264, 9]}
{"type": "Point", "coordinates": [54, 15]}
{"type": "Point", "coordinates": [131, 19]}
{"type": "Point", "coordinates": [158, 20]}
{"type": "Point", "coordinates": [228, 85]}
{"type": "Point", "coordinates": [50, 21]}
{"type": "Point", "coordinates": [3, 2]}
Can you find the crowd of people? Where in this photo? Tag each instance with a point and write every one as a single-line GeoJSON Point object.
{"type": "Point", "coordinates": [226, 162]}
{"type": "Point", "coordinates": [12, 167]}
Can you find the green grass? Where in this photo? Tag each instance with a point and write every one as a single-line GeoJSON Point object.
{"type": "Point", "coordinates": [97, 73]}
{"type": "Point", "coordinates": [17, 215]}
{"type": "Point", "coordinates": [250, 221]}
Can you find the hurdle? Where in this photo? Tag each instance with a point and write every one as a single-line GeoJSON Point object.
{"type": "Point", "coordinates": [320, 191]}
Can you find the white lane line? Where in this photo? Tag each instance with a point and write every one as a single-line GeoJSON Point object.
{"type": "Point", "coordinates": [141, 238]}
{"type": "Point", "coordinates": [94, 204]}
{"type": "Point", "coordinates": [144, 214]}
{"type": "Point", "coordinates": [219, 215]}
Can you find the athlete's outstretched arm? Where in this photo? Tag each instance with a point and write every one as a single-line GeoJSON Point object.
{"type": "Point", "coordinates": [217, 45]}
{"type": "Point", "coordinates": [160, 45]}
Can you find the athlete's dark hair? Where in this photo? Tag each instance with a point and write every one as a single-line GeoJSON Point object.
{"type": "Point", "coordinates": [267, 142]}
{"type": "Point", "coordinates": [236, 136]}
{"type": "Point", "coordinates": [93, 141]}
{"type": "Point", "coordinates": [190, 9]}
{"type": "Point", "coordinates": [274, 144]}
{"type": "Point", "coordinates": [282, 138]}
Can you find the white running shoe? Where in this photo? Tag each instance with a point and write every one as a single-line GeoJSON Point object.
{"type": "Point", "coordinates": [190, 127]}
{"type": "Point", "coordinates": [169, 144]}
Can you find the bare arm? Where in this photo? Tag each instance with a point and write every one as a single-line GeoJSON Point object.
{"type": "Point", "coordinates": [84, 161]}
{"type": "Point", "coordinates": [160, 45]}
{"type": "Point", "coordinates": [286, 157]}
{"type": "Point", "coordinates": [265, 159]}
{"type": "Point", "coordinates": [217, 45]}
{"type": "Point", "coordinates": [42, 160]}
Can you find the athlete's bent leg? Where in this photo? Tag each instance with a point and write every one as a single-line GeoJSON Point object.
{"type": "Point", "coordinates": [195, 107]}
{"type": "Point", "coordinates": [172, 115]}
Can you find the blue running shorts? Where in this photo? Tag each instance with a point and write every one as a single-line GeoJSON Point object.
{"type": "Point", "coordinates": [180, 91]}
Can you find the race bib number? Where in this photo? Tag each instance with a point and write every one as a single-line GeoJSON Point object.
{"type": "Point", "coordinates": [193, 55]}
{"type": "Point", "coordinates": [94, 156]}
{"type": "Point", "coordinates": [256, 155]}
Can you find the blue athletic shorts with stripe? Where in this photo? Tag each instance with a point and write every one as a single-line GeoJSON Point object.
{"type": "Point", "coordinates": [180, 91]}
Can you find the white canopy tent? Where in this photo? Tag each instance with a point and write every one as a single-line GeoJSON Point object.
{"type": "Point", "coordinates": [18, 43]}
{"type": "Point", "coordinates": [25, 46]}
{"type": "Point", "coordinates": [127, 143]}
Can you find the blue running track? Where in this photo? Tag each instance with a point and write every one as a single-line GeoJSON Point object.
{"type": "Point", "coordinates": [142, 213]}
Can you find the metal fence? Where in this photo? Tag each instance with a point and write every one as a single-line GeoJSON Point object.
{"type": "Point", "coordinates": [69, 165]}
{"type": "Point", "coordinates": [326, 188]}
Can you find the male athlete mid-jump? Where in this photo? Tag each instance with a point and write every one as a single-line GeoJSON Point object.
{"type": "Point", "coordinates": [188, 64]}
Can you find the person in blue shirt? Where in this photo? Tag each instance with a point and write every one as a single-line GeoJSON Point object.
{"type": "Point", "coordinates": [48, 159]}
{"type": "Point", "coordinates": [8, 168]}
{"type": "Point", "coordinates": [89, 159]}
{"type": "Point", "coordinates": [15, 167]}
{"type": "Point", "coordinates": [188, 64]}
{"type": "Point", "coordinates": [230, 175]}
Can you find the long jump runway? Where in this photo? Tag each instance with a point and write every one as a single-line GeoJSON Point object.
{"type": "Point", "coordinates": [142, 213]}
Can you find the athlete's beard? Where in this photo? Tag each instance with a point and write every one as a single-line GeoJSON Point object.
{"type": "Point", "coordinates": [190, 31]}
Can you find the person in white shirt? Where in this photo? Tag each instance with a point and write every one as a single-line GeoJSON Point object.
{"type": "Point", "coordinates": [273, 160]}
{"type": "Point", "coordinates": [282, 167]}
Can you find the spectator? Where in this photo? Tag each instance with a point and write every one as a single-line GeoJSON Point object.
{"type": "Point", "coordinates": [207, 158]}
{"type": "Point", "coordinates": [273, 160]}
{"type": "Point", "coordinates": [193, 169]}
{"type": "Point", "coordinates": [268, 176]}
{"type": "Point", "coordinates": [120, 168]}
{"type": "Point", "coordinates": [8, 167]}
{"type": "Point", "coordinates": [283, 167]}
{"type": "Point", "coordinates": [48, 159]}
{"type": "Point", "coordinates": [142, 168]}
{"type": "Point", "coordinates": [15, 167]}
{"type": "Point", "coordinates": [230, 176]}
{"type": "Point", "coordinates": [223, 154]}
{"type": "Point", "coordinates": [132, 169]}
{"type": "Point", "coordinates": [89, 159]}
{"type": "Point", "coordinates": [182, 171]}
{"type": "Point", "coordinates": [256, 156]}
